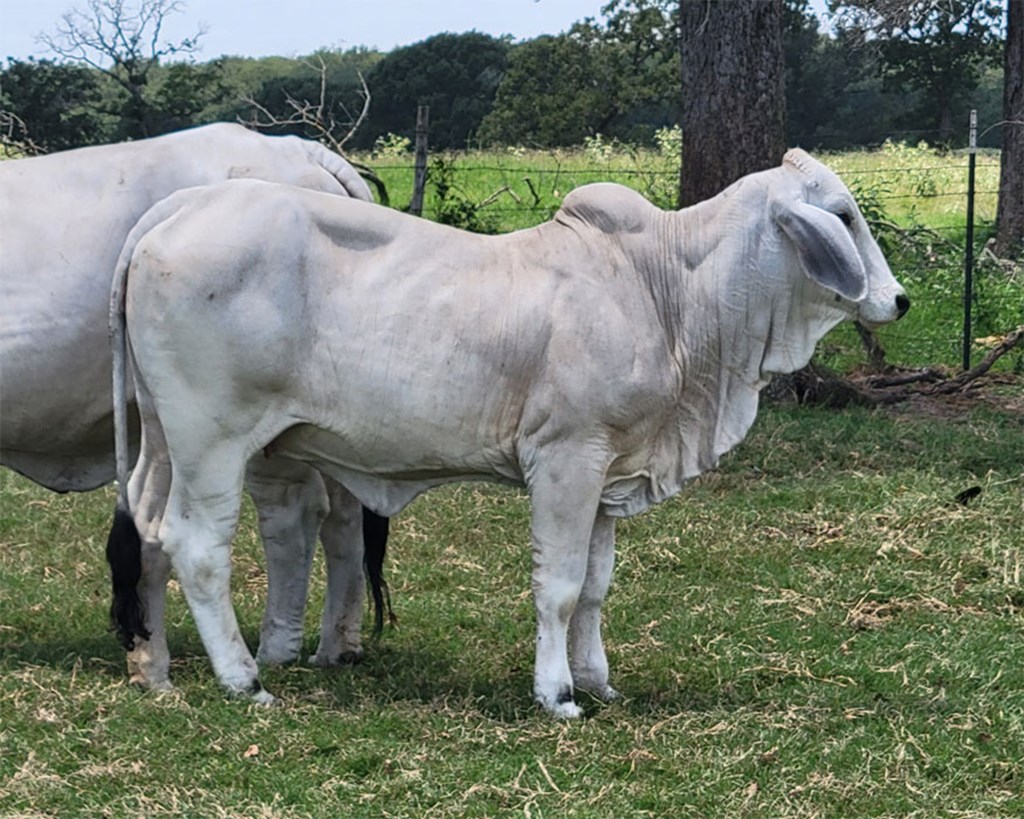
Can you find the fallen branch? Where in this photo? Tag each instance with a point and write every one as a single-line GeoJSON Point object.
{"type": "Point", "coordinates": [1010, 267]}
{"type": "Point", "coordinates": [902, 379]}
{"type": "Point", "coordinates": [872, 346]}
{"type": "Point", "coordinates": [961, 382]}
{"type": "Point", "coordinates": [817, 385]}
{"type": "Point", "coordinates": [490, 200]}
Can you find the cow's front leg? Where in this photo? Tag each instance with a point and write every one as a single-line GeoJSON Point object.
{"type": "Point", "coordinates": [586, 650]}
{"type": "Point", "coordinates": [291, 503]}
{"type": "Point", "coordinates": [564, 505]}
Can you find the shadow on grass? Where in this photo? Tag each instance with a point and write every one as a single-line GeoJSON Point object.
{"type": "Point", "coordinates": [502, 691]}
{"type": "Point", "coordinates": [498, 687]}
{"type": "Point", "coordinates": [100, 655]}
{"type": "Point", "coordinates": [415, 675]}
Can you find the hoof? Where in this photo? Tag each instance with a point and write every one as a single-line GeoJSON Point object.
{"type": "Point", "coordinates": [566, 710]}
{"type": "Point", "coordinates": [345, 658]}
{"type": "Point", "coordinates": [265, 698]}
{"type": "Point", "coordinates": [157, 686]}
{"type": "Point", "coordinates": [562, 706]}
{"type": "Point", "coordinates": [254, 692]}
{"type": "Point", "coordinates": [605, 693]}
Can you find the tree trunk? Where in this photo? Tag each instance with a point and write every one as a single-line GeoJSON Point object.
{"type": "Point", "coordinates": [733, 100]}
{"type": "Point", "coordinates": [1010, 216]}
{"type": "Point", "coordinates": [734, 116]}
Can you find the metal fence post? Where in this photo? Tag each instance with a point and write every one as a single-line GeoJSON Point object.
{"type": "Point", "coordinates": [972, 151]}
{"type": "Point", "coordinates": [420, 170]}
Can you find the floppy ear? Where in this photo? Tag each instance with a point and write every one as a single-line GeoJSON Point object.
{"type": "Point", "coordinates": [826, 249]}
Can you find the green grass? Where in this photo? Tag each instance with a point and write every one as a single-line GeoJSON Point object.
{"type": "Point", "coordinates": [518, 188]}
{"type": "Point", "coordinates": [816, 629]}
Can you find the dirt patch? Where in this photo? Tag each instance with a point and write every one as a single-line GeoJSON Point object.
{"type": "Point", "coordinates": [815, 386]}
{"type": "Point", "coordinates": [1002, 391]}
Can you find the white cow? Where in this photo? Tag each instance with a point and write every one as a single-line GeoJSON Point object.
{"type": "Point", "coordinates": [64, 219]}
{"type": "Point", "coordinates": [601, 360]}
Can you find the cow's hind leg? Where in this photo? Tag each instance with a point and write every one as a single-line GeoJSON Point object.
{"type": "Point", "coordinates": [342, 538]}
{"type": "Point", "coordinates": [291, 504]}
{"type": "Point", "coordinates": [200, 520]}
{"type": "Point", "coordinates": [564, 506]}
{"type": "Point", "coordinates": [587, 658]}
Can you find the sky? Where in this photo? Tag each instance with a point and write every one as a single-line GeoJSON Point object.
{"type": "Point", "coordinates": [291, 28]}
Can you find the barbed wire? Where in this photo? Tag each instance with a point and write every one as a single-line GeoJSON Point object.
{"type": "Point", "coordinates": [609, 167]}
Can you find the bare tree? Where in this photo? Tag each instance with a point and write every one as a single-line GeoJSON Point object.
{"type": "Point", "coordinates": [14, 137]}
{"type": "Point", "coordinates": [329, 122]}
{"type": "Point", "coordinates": [326, 120]}
{"type": "Point", "coordinates": [123, 40]}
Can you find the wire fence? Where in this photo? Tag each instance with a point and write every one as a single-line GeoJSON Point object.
{"type": "Point", "coordinates": [915, 198]}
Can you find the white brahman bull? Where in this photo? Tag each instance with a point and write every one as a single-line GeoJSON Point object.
{"type": "Point", "coordinates": [64, 219]}
{"type": "Point", "coordinates": [600, 360]}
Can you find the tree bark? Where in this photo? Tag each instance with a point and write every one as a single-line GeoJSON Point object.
{"type": "Point", "coordinates": [733, 100]}
{"type": "Point", "coordinates": [1010, 214]}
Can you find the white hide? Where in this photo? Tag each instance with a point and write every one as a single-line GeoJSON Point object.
{"type": "Point", "coordinates": [600, 360]}
{"type": "Point", "coordinates": [64, 220]}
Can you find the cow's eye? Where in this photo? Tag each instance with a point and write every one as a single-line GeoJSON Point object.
{"type": "Point", "coordinates": [845, 218]}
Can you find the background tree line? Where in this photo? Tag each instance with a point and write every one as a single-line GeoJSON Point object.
{"type": "Point", "coordinates": [619, 76]}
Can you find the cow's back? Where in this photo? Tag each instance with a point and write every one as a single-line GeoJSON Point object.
{"type": "Point", "coordinates": [305, 285]}
{"type": "Point", "coordinates": [65, 217]}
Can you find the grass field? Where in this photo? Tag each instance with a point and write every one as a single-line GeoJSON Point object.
{"type": "Point", "coordinates": [817, 629]}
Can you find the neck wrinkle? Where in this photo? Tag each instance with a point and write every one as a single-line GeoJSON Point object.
{"type": "Point", "coordinates": [687, 289]}
{"type": "Point", "coordinates": [713, 331]}
{"type": "Point", "coordinates": [666, 272]}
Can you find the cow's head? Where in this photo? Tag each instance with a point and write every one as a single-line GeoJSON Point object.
{"type": "Point", "coordinates": [833, 242]}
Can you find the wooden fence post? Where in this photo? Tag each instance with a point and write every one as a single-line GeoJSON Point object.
{"type": "Point", "coordinates": [420, 171]}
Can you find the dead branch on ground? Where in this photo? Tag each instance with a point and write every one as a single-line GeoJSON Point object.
{"type": "Point", "coordinates": [818, 386]}
{"type": "Point", "coordinates": [961, 382]}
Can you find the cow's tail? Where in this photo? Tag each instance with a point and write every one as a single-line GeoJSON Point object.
{"type": "Point", "coordinates": [124, 546]}
{"type": "Point", "coordinates": [375, 541]}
